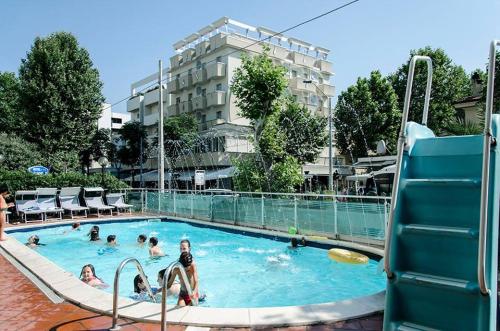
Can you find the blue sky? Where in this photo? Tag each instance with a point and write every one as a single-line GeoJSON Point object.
{"type": "Point", "coordinates": [126, 38]}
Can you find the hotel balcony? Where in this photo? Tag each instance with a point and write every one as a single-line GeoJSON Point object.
{"type": "Point", "coordinates": [297, 83]}
{"type": "Point", "coordinates": [151, 119]}
{"type": "Point", "coordinates": [133, 104]}
{"type": "Point", "coordinates": [210, 124]}
{"type": "Point", "coordinates": [199, 76]}
{"type": "Point", "coordinates": [216, 70]}
{"type": "Point", "coordinates": [329, 90]}
{"type": "Point", "coordinates": [186, 81]}
{"type": "Point", "coordinates": [199, 102]}
{"type": "Point", "coordinates": [186, 107]}
{"type": "Point", "coordinates": [201, 48]}
{"type": "Point", "coordinates": [324, 66]}
{"type": "Point", "coordinates": [216, 98]}
{"type": "Point", "coordinates": [173, 86]}
{"type": "Point", "coordinates": [173, 110]}
{"type": "Point", "coordinates": [302, 59]}
{"type": "Point", "coordinates": [175, 60]}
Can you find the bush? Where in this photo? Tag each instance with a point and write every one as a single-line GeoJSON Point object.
{"type": "Point", "coordinates": [23, 180]}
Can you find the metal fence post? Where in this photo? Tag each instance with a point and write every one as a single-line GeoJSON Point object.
{"type": "Point", "coordinates": [211, 207]}
{"type": "Point", "coordinates": [386, 217]}
{"type": "Point", "coordinates": [143, 196]}
{"type": "Point", "coordinates": [262, 210]}
{"type": "Point", "coordinates": [159, 201]}
{"type": "Point", "coordinates": [175, 205]}
{"type": "Point", "coordinates": [335, 220]}
{"type": "Point", "coordinates": [234, 208]}
{"type": "Point", "coordinates": [295, 212]}
{"type": "Point", "coordinates": [192, 204]}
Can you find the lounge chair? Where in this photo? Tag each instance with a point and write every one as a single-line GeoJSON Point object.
{"type": "Point", "coordinates": [46, 199]}
{"type": "Point", "coordinates": [93, 199]}
{"type": "Point", "coordinates": [68, 197]}
{"type": "Point", "coordinates": [116, 200]}
{"type": "Point", "coordinates": [27, 204]}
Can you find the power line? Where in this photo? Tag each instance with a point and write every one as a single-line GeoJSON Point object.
{"type": "Point", "coordinates": [252, 44]}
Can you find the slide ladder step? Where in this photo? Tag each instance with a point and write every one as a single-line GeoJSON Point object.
{"type": "Point", "coordinates": [438, 281]}
{"type": "Point", "coordinates": [440, 230]}
{"type": "Point", "coordinates": [408, 326]}
{"type": "Point", "coordinates": [455, 182]}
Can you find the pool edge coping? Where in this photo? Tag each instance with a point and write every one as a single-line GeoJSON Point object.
{"type": "Point", "coordinates": [73, 290]}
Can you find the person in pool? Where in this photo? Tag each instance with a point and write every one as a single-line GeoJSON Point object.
{"type": "Point", "coordinates": [186, 259]}
{"type": "Point", "coordinates": [154, 249]}
{"type": "Point", "coordinates": [139, 286]}
{"type": "Point", "coordinates": [88, 276]}
{"type": "Point", "coordinates": [34, 241]}
{"type": "Point", "coordinates": [111, 240]}
{"type": "Point", "coordinates": [94, 233]}
{"type": "Point", "coordinates": [173, 288]}
{"type": "Point", "coordinates": [141, 240]}
{"type": "Point", "coordinates": [295, 243]}
{"type": "Point", "coordinates": [75, 226]}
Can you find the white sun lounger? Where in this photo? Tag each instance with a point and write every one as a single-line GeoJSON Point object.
{"type": "Point", "coordinates": [116, 200]}
{"type": "Point", "coordinates": [93, 199]}
{"type": "Point", "coordinates": [27, 204]}
{"type": "Point", "coordinates": [46, 199]}
{"type": "Point", "coordinates": [68, 197]}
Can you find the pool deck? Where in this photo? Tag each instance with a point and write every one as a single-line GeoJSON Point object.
{"type": "Point", "coordinates": [24, 307]}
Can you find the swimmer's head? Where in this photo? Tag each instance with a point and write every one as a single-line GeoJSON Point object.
{"type": "Point", "coordinates": [294, 242]}
{"type": "Point", "coordinates": [88, 272]}
{"type": "Point", "coordinates": [142, 238]}
{"type": "Point", "coordinates": [34, 240]}
{"type": "Point", "coordinates": [75, 225]}
{"type": "Point", "coordinates": [186, 259]}
{"type": "Point", "coordinates": [185, 246]}
{"type": "Point", "coordinates": [139, 284]}
{"type": "Point", "coordinates": [161, 274]}
{"type": "Point", "coordinates": [153, 241]}
{"type": "Point", "coordinates": [111, 239]}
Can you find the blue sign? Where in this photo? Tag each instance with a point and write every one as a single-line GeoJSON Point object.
{"type": "Point", "coordinates": [38, 170]}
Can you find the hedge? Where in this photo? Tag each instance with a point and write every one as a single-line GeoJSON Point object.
{"type": "Point", "coordinates": [23, 180]}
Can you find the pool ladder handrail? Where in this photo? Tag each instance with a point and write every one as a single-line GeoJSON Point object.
{"type": "Point", "coordinates": [116, 287]}
{"type": "Point", "coordinates": [401, 147]}
{"type": "Point", "coordinates": [487, 142]}
{"type": "Point", "coordinates": [174, 265]}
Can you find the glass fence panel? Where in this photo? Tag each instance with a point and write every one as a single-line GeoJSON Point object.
{"type": "Point", "coordinates": [201, 206]}
{"type": "Point", "coordinates": [361, 219]}
{"type": "Point", "coordinates": [152, 199]}
{"type": "Point", "coordinates": [279, 212]}
{"type": "Point", "coordinates": [249, 210]}
{"type": "Point", "coordinates": [134, 198]}
{"type": "Point", "coordinates": [316, 216]}
{"type": "Point", "coordinates": [223, 207]}
{"type": "Point", "coordinates": [183, 204]}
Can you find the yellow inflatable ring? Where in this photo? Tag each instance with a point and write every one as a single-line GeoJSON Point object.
{"type": "Point", "coordinates": [316, 238]}
{"type": "Point", "coordinates": [345, 256]}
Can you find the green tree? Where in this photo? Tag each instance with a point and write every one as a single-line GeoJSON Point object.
{"type": "Point", "coordinates": [365, 114]}
{"type": "Point", "coordinates": [11, 118]}
{"type": "Point", "coordinates": [17, 153]}
{"type": "Point", "coordinates": [449, 84]}
{"type": "Point", "coordinates": [60, 95]}
{"type": "Point", "coordinates": [100, 145]}
{"type": "Point", "coordinates": [130, 154]}
{"type": "Point", "coordinates": [180, 133]}
{"type": "Point", "coordinates": [259, 86]}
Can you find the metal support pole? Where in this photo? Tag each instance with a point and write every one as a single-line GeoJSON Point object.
{"type": "Point", "coordinates": [262, 211]}
{"type": "Point", "coordinates": [295, 212]}
{"type": "Point", "coordinates": [330, 166]}
{"type": "Point", "coordinates": [141, 160]}
{"type": "Point", "coordinates": [192, 205]}
{"type": "Point", "coordinates": [144, 195]}
{"type": "Point", "coordinates": [235, 197]}
{"type": "Point", "coordinates": [175, 204]}
{"type": "Point", "coordinates": [161, 147]}
{"type": "Point", "coordinates": [335, 219]}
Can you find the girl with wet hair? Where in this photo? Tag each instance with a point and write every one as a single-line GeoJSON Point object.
{"type": "Point", "coordinates": [88, 276]}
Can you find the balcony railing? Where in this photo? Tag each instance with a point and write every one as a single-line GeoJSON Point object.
{"type": "Point", "coordinates": [173, 86]}
{"type": "Point", "coordinates": [199, 102]}
{"type": "Point", "coordinates": [210, 124]}
{"type": "Point", "coordinates": [216, 70]}
{"type": "Point", "coordinates": [327, 89]}
{"type": "Point", "coordinates": [173, 109]}
{"type": "Point", "coordinates": [216, 98]}
{"type": "Point", "coordinates": [199, 76]}
{"type": "Point", "coordinates": [186, 81]}
{"type": "Point", "coordinates": [324, 66]}
{"type": "Point", "coordinates": [297, 83]}
{"type": "Point", "coordinates": [186, 107]}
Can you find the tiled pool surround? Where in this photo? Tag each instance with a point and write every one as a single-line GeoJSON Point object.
{"type": "Point", "coordinates": [72, 289]}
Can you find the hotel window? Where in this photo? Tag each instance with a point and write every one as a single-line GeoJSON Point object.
{"type": "Point", "coordinates": [198, 90]}
{"type": "Point", "coordinates": [218, 59]}
{"type": "Point", "coordinates": [219, 115]}
{"type": "Point", "coordinates": [198, 64]}
{"type": "Point", "coordinates": [294, 73]}
{"type": "Point", "coordinates": [116, 120]}
{"type": "Point", "coordinates": [218, 87]}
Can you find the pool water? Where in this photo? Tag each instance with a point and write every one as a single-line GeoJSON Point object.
{"type": "Point", "coordinates": [235, 270]}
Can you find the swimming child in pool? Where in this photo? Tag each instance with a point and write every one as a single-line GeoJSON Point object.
{"type": "Point", "coordinates": [141, 240]}
{"type": "Point", "coordinates": [34, 241]}
{"type": "Point", "coordinates": [296, 243]}
{"type": "Point", "coordinates": [94, 233]}
{"type": "Point", "coordinates": [172, 289]}
{"type": "Point", "coordinates": [111, 240]}
{"type": "Point", "coordinates": [88, 276]}
{"type": "Point", "coordinates": [186, 259]}
{"type": "Point", "coordinates": [75, 226]}
{"type": "Point", "coordinates": [154, 249]}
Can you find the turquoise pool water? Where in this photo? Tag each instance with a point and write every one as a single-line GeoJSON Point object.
{"type": "Point", "coordinates": [235, 270]}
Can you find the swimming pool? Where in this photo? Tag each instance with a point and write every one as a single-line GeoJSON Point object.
{"type": "Point", "coordinates": [235, 270]}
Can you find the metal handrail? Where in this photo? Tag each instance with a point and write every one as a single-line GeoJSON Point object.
{"type": "Point", "coordinates": [174, 265]}
{"type": "Point", "coordinates": [401, 145]}
{"type": "Point", "coordinates": [483, 225]}
{"type": "Point", "coordinates": [116, 286]}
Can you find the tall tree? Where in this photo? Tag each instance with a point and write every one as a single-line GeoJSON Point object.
{"type": "Point", "coordinates": [180, 134]}
{"type": "Point", "coordinates": [450, 83]}
{"type": "Point", "coordinates": [18, 154]}
{"type": "Point", "coordinates": [100, 145]}
{"type": "Point", "coordinates": [365, 114]}
{"type": "Point", "coordinates": [130, 154]}
{"type": "Point", "coordinates": [60, 94]}
{"type": "Point", "coordinates": [11, 117]}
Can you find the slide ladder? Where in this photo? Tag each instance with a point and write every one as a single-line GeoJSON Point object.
{"type": "Point", "coordinates": [442, 239]}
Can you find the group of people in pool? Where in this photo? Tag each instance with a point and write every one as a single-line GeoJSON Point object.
{"type": "Point", "coordinates": [174, 287]}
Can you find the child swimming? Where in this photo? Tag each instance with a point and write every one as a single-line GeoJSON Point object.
{"type": "Point", "coordinates": [34, 241]}
{"type": "Point", "coordinates": [88, 276]}
{"type": "Point", "coordinates": [141, 240]}
{"type": "Point", "coordinates": [154, 249]}
{"type": "Point", "coordinates": [94, 233]}
{"type": "Point", "coordinates": [111, 240]}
